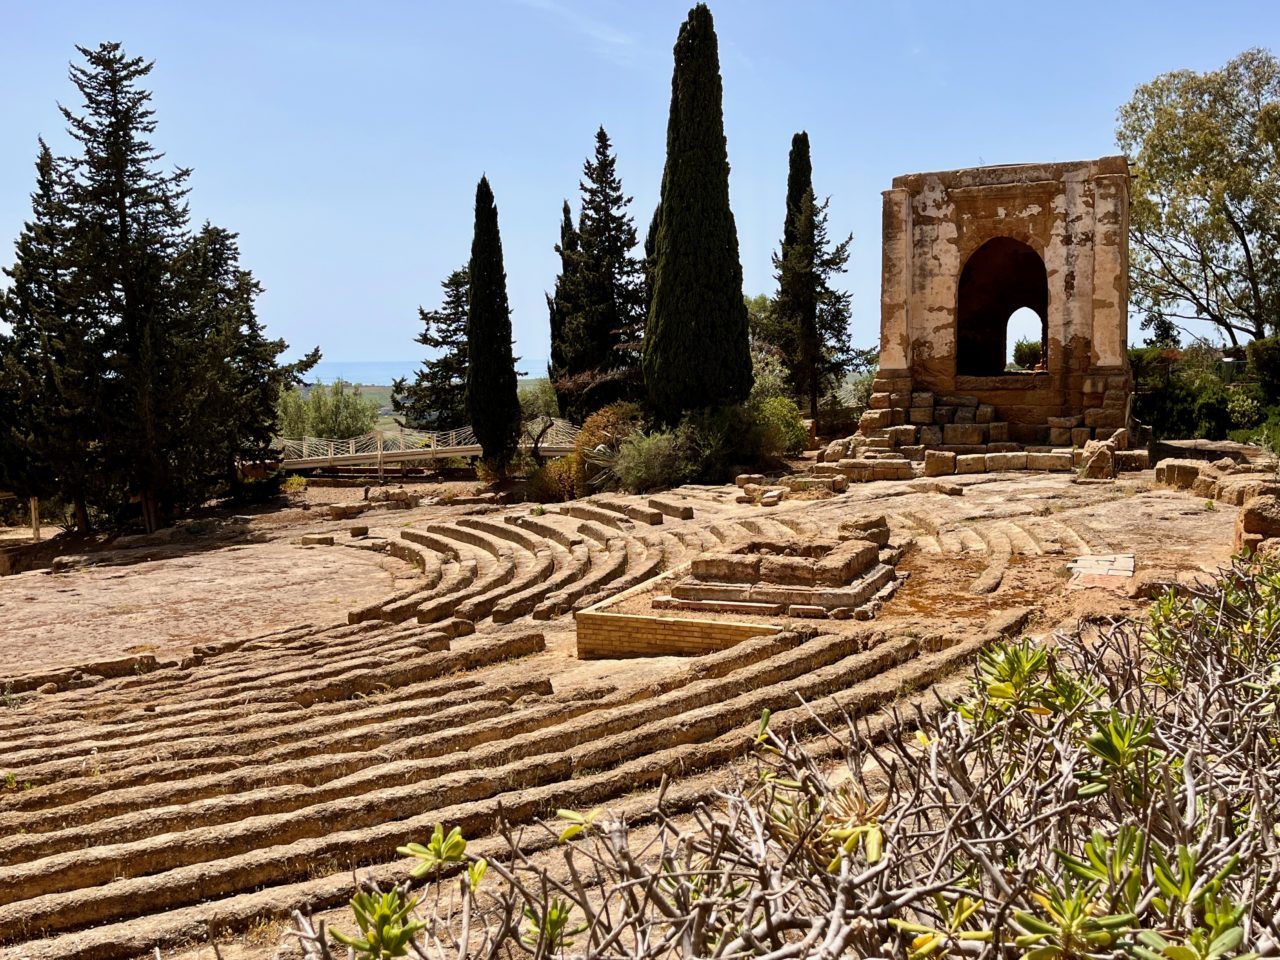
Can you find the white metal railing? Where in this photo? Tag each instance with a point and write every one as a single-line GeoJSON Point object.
{"type": "Point", "coordinates": [560, 434]}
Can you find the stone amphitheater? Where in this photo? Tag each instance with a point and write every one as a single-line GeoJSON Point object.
{"type": "Point", "coordinates": [244, 768]}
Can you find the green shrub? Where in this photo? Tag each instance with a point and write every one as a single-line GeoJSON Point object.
{"type": "Point", "coordinates": [649, 461]}
{"type": "Point", "coordinates": [770, 374]}
{"type": "Point", "coordinates": [1026, 354]}
{"type": "Point", "coordinates": [1244, 406]}
{"type": "Point", "coordinates": [779, 427]}
{"type": "Point", "coordinates": [598, 441]}
{"type": "Point", "coordinates": [1264, 365]}
{"type": "Point", "coordinates": [538, 399]}
{"type": "Point", "coordinates": [553, 481]}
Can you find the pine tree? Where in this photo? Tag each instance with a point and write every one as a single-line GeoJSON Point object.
{"type": "Point", "coordinates": [597, 314]}
{"type": "Point", "coordinates": [52, 362]}
{"type": "Point", "coordinates": [696, 348]}
{"type": "Point", "coordinates": [810, 318]}
{"type": "Point", "coordinates": [147, 372]}
{"type": "Point", "coordinates": [492, 402]}
{"type": "Point", "coordinates": [436, 400]}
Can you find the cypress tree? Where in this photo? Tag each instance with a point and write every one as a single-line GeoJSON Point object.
{"type": "Point", "coordinates": [492, 401]}
{"type": "Point", "coordinates": [810, 318]}
{"type": "Point", "coordinates": [696, 349]}
{"type": "Point", "coordinates": [563, 307]}
{"type": "Point", "coordinates": [436, 400]}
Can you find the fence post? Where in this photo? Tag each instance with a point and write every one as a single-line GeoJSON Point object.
{"type": "Point", "coordinates": [35, 519]}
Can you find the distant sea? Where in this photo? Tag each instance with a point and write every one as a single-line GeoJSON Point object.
{"type": "Point", "coordinates": [382, 372]}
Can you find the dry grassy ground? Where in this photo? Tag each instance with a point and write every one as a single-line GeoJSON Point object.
{"type": "Point", "coordinates": [275, 746]}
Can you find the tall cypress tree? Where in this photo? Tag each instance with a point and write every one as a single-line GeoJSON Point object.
{"type": "Point", "coordinates": [563, 307]}
{"type": "Point", "coordinates": [696, 348]}
{"type": "Point", "coordinates": [810, 317]}
{"type": "Point", "coordinates": [492, 401]}
{"type": "Point", "coordinates": [436, 400]}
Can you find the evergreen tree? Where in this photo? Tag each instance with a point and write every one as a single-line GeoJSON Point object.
{"type": "Point", "coordinates": [810, 318]}
{"type": "Point", "coordinates": [436, 400]}
{"type": "Point", "coordinates": [142, 372]}
{"type": "Point", "coordinates": [52, 362]}
{"type": "Point", "coordinates": [563, 305]}
{"type": "Point", "coordinates": [650, 260]}
{"type": "Point", "coordinates": [597, 314]}
{"type": "Point", "coordinates": [492, 402]}
{"type": "Point", "coordinates": [696, 348]}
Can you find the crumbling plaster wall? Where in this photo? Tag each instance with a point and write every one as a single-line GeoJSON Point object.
{"type": "Point", "coordinates": [1074, 215]}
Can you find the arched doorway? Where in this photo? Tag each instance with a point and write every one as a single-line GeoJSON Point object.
{"type": "Point", "coordinates": [1000, 277]}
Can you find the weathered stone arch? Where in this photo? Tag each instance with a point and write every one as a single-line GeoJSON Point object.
{"type": "Point", "coordinates": [1001, 276]}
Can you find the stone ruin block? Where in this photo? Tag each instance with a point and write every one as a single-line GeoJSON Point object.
{"type": "Point", "coordinates": [845, 563]}
{"type": "Point", "coordinates": [1006, 461]}
{"type": "Point", "coordinates": [871, 528]}
{"type": "Point", "coordinates": [938, 463]}
{"type": "Point", "coordinates": [964, 433]}
{"type": "Point", "coordinates": [998, 432]}
{"type": "Point", "coordinates": [1050, 461]}
{"type": "Point", "coordinates": [971, 463]}
{"type": "Point", "coordinates": [726, 568]}
{"type": "Point", "coordinates": [798, 571]}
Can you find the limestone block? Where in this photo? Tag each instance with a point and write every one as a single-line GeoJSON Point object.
{"type": "Point", "coordinates": [891, 470]}
{"type": "Point", "coordinates": [922, 398]}
{"type": "Point", "coordinates": [985, 413]}
{"type": "Point", "coordinates": [1064, 422]}
{"type": "Point", "coordinates": [939, 463]}
{"type": "Point", "coordinates": [931, 436]}
{"type": "Point", "coordinates": [1006, 461]}
{"type": "Point", "coordinates": [1121, 439]}
{"type": "Point", "coordinates": [726, 568]}
{"type": "Point", "coordinates": [1049, 461]}
{"type": "Point", "coordinates": [1099, 460]}
{"type": "Point", "coordinates": [964, 433]}
{"type": "Point", "coordinates": [1238, 492]}
{"type": "Point", "coordinates": [892, 384]}
{"type": "Point", "coordinates": [880, 401]}
{"type": "Point", "coordinates": [962, 449]}
{"type": "Point", "coordinates": [317, 540]}
{"type": "Point", "coordinates": [998, 432]}
{"type": "Point", "coordinates": [1004, 446]}
{"type": "Point", "coordinates": [920, 415]}
{"type": "Point", "coordinates": [901, 436]}
{"type": "Point", "coordinates": [1179, 474]}
{"type": "Point", "coordinates": [899, 416]}
{"type": "Point", "coordinates": [913, 452]}
{"type": "Point", "coordinates": [971, 463]}
{"type": "Point", "coordinates": [1059, 435]}
{"type": "Point", "coordinates": [1080, 436]}
{"type": "Point", "coordinates": [846, 562]}
{"type": "Point", "coordinates": [1104, 417]}
{"type": "Point", "coordinates": [1259, 515]}
{"type": "Point", "coordinates": [873, 528]}
{"type": "Point", "coordinates": [958, 401]}
{"type": "Point", "coordinates": [788, 570]}
{"type": "Point", "coordinates": [966, 415]}
{"type": "Point", "coordinates": [1132, 460]}
{"type": "Point", "coordinates": [943, 414]}
{"type": "Point", "coordinates": [359, 531]}
{"type": "Point", "coordinates": [743, 479]}
{"type": "Point", "coordinates": [875, 420]}
{"type": "Point", "coordinates": [878, 443]}
{"type": "Point", "coordinates": [807, 610]}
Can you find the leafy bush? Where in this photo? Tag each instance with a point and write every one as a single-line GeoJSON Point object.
{"type": "Point", "coordinates": [649, 461]}
{"type": "Point", "coordinates": [1244, 406]}
{"type": "Point", "coordinates": [598, 442]}
{"type": "Point", "coordinates": [335, 412]}
{"type": "Point", "coordinates": [1264, 364]}
{"type": "Point", "coordinates": [769, 372]}
{"type": "Point", "coordinates": [1026, 354]}
{"type": "Point", "coordinates": [553, 482]}
{"type": "Point", "coordinates": [538, 399]}
{"type": "Point", "coordinates": [779, 426]}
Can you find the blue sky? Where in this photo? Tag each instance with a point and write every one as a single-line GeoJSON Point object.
{"type": "Point", "coordinates": [344, 141]}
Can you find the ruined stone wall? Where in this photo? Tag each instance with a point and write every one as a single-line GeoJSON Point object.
{"type": "Point", "coordinates": [1074, 216]}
